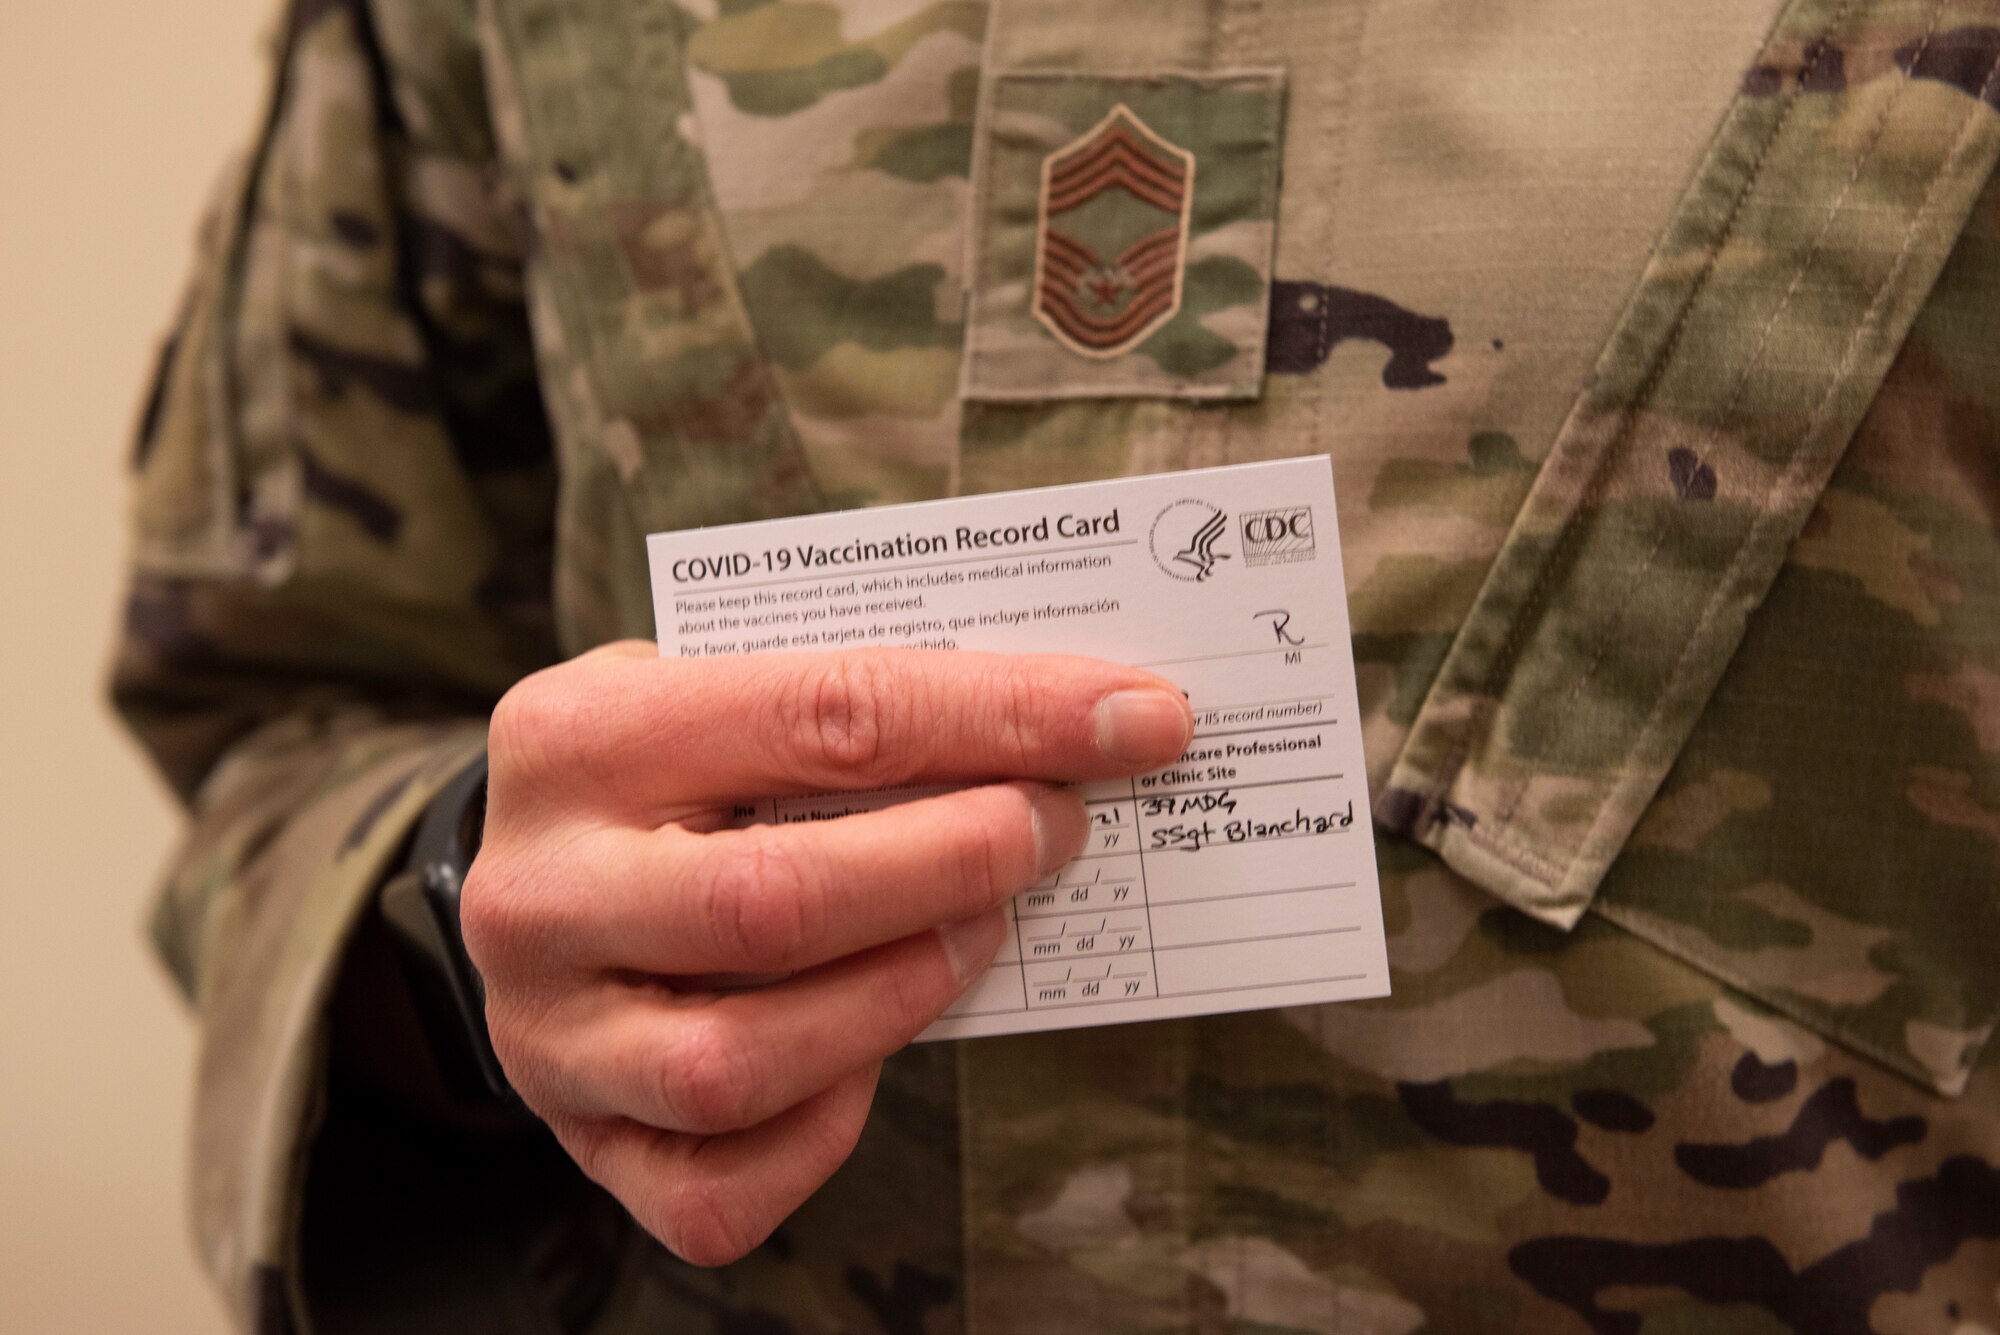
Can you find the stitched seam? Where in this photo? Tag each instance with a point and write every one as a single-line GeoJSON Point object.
{"type": "Point", "coordinates": [708, 217]}
{"type": "Point", "coordinates": [572, 313]}
{"type": "Point", "coordinates": [1486, 704]}
{"type": "Point", "coordinates": [1148, 74]}
{"type": "Point", "coordinates": [1096, 390]}
{"type": "Point", "coordinates": [1231, 45]}
{"type": "Point", "coordinates": [1671, 516]}
{"type": "Point", "coordinates": [536, 104]}
{"type": "Point", "coordinates": [1658, 369]}
{"type": "Point", "coordinates": [1800, 462]}
{"type": "Point", "coordinates": [577, 303]}
{"type": "Point", "coordinates": [1330, 141]}
{"type": "Point", "coordinates": [974, 285]}
{"type": "Point", "coordinates": [1267, 192]}
{"type": "Point", "coordinates": [1518, 857]}
{"type": "Point", "coordinates": [978, 264]}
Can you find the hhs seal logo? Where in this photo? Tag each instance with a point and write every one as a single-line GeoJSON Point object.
{"type": "Point", "coordinates": [1183, 540]}
{"type": "Point", "coordinates": [1111, 239]}
{"type": "Point", "coordinates": [1274, 537]}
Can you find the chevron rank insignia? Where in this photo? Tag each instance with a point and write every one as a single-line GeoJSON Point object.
{"type": "Point", "coordinates": [1112, 243]}
{"type": "Point", "coordinates": [1123, 227]}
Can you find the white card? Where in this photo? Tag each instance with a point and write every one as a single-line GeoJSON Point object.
{"type": "Point", "coordinates": [1242, 877]}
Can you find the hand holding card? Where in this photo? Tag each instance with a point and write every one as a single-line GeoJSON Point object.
{"type": "Point", "coordinates": [1241, 876]}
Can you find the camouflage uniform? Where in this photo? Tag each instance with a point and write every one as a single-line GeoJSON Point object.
{"type": "Point", "coordinates": [1655, 348]}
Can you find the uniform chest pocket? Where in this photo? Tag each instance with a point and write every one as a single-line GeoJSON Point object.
{"type": "Point", "coordinates": [1718, 683]}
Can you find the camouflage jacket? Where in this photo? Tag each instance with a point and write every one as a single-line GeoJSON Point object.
{"type": "Point", "coordinates": [1657, 349]}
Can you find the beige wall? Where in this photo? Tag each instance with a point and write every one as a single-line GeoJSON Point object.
{"type": "Point", "coordinates": [113, 118]}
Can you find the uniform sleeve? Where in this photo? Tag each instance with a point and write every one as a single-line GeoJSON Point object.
{"type": "Point", "coordinates": [341, 540]}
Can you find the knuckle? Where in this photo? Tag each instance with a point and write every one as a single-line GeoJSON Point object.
{"type": "Point", "coordinates": [985, 862]}
{"type": "Point", "coordinates": [551, 730]}
{"type": "Point", "coordinates": [586, 1144]}
{"type": "Point", "coordinates": [840, 1135]}
{"type": "Point", "coordinates": [829, 1137]}
{"type": "Point", "coordinates": [911, 997]}
{"type": "Point", "coordinates": [508, 910]}
{"type": "Point", "coordinates": [707, 1081]}
{"type": "Point", "coordinates": [1019, 715]}
{"type": "Point", "coordinates": [845, 720]}
{"type": "Point", "coordinates": [528, 900]}
{"type": "Point", "coordinates": [491, 912]}
{"type": "Point", "coordinates": [522, 1025]}
{"type": "Point", "coordinates": [757, 900]}
{"type": "Point", "coordinates": [706, 1225]}
{"type": "Point", "coordinates": [699, 1217]}
{"type": "Point", "coordinates": [517, 1063]}
{"type": "Point", "coordinates": [508, 1030]}
{"type": "Point", "coordinates": [527, 722]}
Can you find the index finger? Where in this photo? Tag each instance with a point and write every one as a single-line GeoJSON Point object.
{"type": "Point", "coordinates": [712, 729]}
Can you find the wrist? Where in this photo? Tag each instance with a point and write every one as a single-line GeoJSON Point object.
{"type": "Point", "coordinates": [419, 906]}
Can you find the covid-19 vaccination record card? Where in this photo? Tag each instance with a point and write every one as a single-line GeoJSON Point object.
{"type": "Point", "coordinates": [1240, 877]}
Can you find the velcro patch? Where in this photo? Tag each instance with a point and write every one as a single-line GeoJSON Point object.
{"type": "Point", "coordinates": [1123, 232]}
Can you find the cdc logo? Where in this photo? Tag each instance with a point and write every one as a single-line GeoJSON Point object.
{"type": "Point", "coordinates": [1272, 537]}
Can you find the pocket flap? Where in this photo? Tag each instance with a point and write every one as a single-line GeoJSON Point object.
{"type": "Point", "coordinates": [1759, 335]}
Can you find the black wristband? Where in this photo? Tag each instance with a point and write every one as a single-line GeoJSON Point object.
{"type": "Point", "coordinates": [420, 905]}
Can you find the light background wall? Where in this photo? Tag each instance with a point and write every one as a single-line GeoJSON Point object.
{"type": "Point", "coordinates": [114, 117]}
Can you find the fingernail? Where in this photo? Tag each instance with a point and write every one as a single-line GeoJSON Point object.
{"type": "Point", "coordinates": [971, 943]}
{"type": "Point", "coordinates": [1062, 826]}
{"type": "Point", "coordinates": [1142, 727]}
